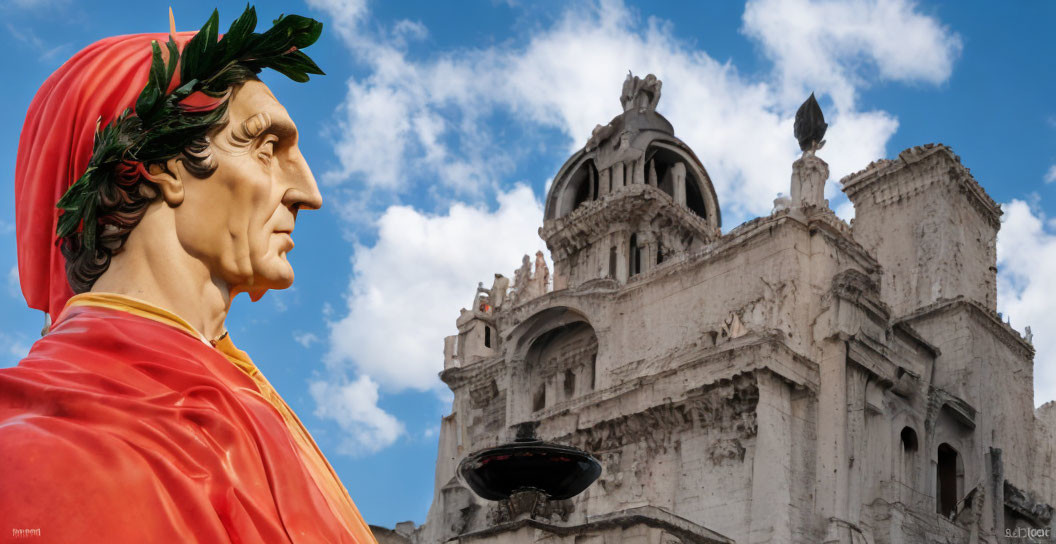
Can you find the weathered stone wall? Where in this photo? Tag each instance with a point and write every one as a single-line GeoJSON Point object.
{"type": "Point", "coordinates": [987, 365]}
{"type": "Point", "coordinates": [931, 225]}
{"type": "Point", "coordinates": [1044, 447]}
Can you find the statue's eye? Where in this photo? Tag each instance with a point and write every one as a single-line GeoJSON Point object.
{"type": "Point", "coordinates": [266, 151]}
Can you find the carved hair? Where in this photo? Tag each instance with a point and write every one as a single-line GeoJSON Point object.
{"type": "Point", "coordinates": [124, 200]}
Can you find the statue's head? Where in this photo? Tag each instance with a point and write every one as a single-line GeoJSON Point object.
{"type": "Point", "coordinates": [177, 123]}
{"type": "Point", "coordinates": [234, 194]}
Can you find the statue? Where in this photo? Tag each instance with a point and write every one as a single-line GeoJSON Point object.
{"type": "Point", "coordinates": [521, 277]}
{"type": "Point", "coordinates": [156, 179]}
{"type": "Point", "coordinates": [542, 274]}
{"type": "Point", "coordinates": [641, 94]}
{"type": "Point", "coordinates": [599, 135]}
{"type": "Point", "coordinates": [497, 294]}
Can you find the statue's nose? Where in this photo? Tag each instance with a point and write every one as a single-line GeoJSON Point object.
{"type": "Point", "coordinates": [302, 191]}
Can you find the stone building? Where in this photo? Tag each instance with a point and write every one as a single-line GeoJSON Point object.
{"type": "Point", "coordinates": [796, 379]}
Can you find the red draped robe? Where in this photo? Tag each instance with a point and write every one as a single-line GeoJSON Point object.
{"type": "Point", "coordinates": [124, 425]}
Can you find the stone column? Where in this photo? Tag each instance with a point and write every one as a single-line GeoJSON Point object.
{"type": "Point", "coordinates": [590, 183]}
{"type": "Point", "coordinates": [772, 463]}
{"type": "Point", "coordinates": [617, 176]}
{"type": "Point", "coordinates": [808, 181]}
{"type": "Point", "coordinates": [831, 499]}
{"type": "Point", "coordinates": [856, 383]}
{"type": "Point", "coordinates": [647, 244]}
{"type": "Point", "coordinates": [623, 244]}
{"type": "Point", "coordinates": [678, 180]}
{"type": "Point", "coordinates": [639, 171]}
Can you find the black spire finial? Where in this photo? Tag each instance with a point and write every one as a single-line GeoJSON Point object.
{"type": "Point", "coordinates": [810, 125]}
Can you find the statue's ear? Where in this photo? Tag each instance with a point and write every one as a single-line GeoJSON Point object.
{"type": "Point", "coordinates": [168, 178]}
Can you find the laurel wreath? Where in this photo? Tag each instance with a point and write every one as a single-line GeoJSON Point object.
{"type": "Point", "coordinates": [161, 123]}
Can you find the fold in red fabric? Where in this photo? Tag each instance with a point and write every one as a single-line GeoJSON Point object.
{"type": "Point", "coordinates": [118, 428]}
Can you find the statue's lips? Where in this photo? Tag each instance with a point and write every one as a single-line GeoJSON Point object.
{"type": "Point", "coordinates": [288, 234]}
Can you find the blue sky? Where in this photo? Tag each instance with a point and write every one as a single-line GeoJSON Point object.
{"type": "Point", "coordinates": [438, 127]}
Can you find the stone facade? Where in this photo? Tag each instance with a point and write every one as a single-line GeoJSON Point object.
{"type": "Point", "coordinates": [797, 379]}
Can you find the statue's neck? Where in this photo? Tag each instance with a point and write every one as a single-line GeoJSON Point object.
{"type": "Point", "coordinates": [154, 267]}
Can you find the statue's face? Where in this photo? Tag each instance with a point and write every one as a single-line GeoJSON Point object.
{"type": "Point", "coordinates": [239, 221]}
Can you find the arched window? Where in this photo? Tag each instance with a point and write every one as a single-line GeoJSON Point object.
{"type": "Point", "coordinates": [662, 168]}
{"type": "Point", "coordinates": [908, 464]}
{"type": "Point", "coordinates": [909, 439]}
{"type": "Point", "coordinates": [583, 186]}
{"type": "Point", "coordinates": [947, 474]}
{"type": "Point", "coordinates": [570, 383]}
{"type": "Point", "coordinates": [556, 361]}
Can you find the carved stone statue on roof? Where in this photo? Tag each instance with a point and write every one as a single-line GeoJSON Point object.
{"type": "Point", "coordinates": [639, 93]}
{"type": "Point", "coordinates": [541, 278]}
{"type": "Point", "coordinates": [498, 290]}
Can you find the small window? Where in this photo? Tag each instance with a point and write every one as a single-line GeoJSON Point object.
{"type": "Point", "coordinates": [635, 264]}
{"type": "Point", "coordinates": [909, 440]}
{"type": "Point", "coordinates": [570, 383]}
{"type": "Point", "coordinates": [946, 480]}
{"type": "Point", "coordinates": [539, 400]}
{"type": "Point", "coordinates": [487, 336]}
{"type": "Point", "coordinates": [593, 370]}
{"type": "Point", "coordinates": [659, 253]}
{"type": "Point", "coordinates": [612, 262]}
{"type": "Point", "coordinates": [908, 461]}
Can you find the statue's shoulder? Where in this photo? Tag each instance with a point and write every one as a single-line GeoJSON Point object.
{"type": "Point", "coordinates": [59, 478]}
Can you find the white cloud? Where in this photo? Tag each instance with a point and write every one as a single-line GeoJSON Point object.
{"type": "Point", "coordinates": [305, 339]}
{"type": "Point", "coordinates": [406, 290]}
{"type": "Point", "coordinates": [829, 44]}
{"type": "Point", "coordinates": [354, 406]}
{"type": "Point", "coordinates": [1050, 176]}
{"type": "Point", "coordinates": [346, 15]}
{"type": "Point", "coordinates": [428, 120]}
{"type": "Point", "coordinates": [1026, 257]}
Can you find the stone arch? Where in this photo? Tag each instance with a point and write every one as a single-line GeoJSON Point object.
{"type": "Point", "coordinates": [693, 188]}
{"type": "Point", "coordinates": [561, 198]}
{"type": "Point", "coordinates": [583, 185]}
{"type": "Point", "coordinates": [554, 359]}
